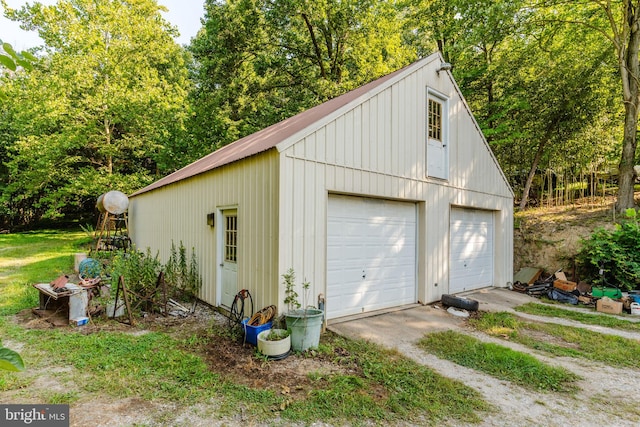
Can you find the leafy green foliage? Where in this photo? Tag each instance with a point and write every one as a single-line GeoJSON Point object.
{"type": "Point", "coordinates": [291, 295]}
{"type": "Point", "coordinates": [10, 360]}
{"type": "Point", "coordinates": [139, 270]}
{"type": "Point", "coordinates": [96, 110]}
{"type": "Point", "coordinates": [106, 104]}
{"type": "Point", "coordinates": [277, 334]}
{"type": "Point", "coordinates": [499, 361]}
{"type": "Point", "coordinates": [11, 59]}
{"type": "Point", "coordinates": [616, 252]}
{"type": "Point", "coordinates": [259, 62]}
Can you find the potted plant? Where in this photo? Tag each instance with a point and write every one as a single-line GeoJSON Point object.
{"type": "Point", "coordinates": [303, 321]}
{"type": "Point", "coordinates": [274, 343]}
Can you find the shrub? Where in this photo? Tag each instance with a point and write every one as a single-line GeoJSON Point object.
{"type": "Point", "coordinates": [140, 270]}
{"type": "Point", "coordinates": [616, 252]}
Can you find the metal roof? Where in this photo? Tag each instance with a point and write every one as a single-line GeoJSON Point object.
{"type": "Point", "coordinates": [267, 138]}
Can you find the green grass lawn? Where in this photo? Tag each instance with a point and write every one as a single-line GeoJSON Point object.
{"type": "Point", "coordinates": [34, 257]}
{"type": "Point", "coordinates": [562, 340]}
{"type": "Point", "coordinates": [498, 361]}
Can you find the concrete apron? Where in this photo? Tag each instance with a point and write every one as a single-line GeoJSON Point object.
{"type": "Point", "coordinates": [400, 326]}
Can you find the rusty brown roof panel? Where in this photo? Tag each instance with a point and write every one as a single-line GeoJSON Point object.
{"type": "Point", "coordinates": [265, 139]}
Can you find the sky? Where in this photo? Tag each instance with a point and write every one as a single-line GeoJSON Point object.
{"type": "Point", "coordinates": [185, 14]}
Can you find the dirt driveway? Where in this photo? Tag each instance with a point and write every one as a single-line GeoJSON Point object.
{"type": "Point", "coordinates": [607, 396]}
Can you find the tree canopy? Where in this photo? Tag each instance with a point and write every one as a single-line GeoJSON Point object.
{"type": "Point", "coordinates": [107, 94]}
{"type": "Point", "coordinates": [112, 102]}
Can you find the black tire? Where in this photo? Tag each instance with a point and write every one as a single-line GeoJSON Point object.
{"type": "Point", "coordinates": [460, 302]}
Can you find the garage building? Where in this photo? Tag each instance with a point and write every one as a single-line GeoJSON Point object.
{"type": "Point", "coordinates": [386, 196]}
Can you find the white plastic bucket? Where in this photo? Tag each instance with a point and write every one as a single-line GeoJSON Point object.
{"type": "Point", "coordinates": [635, 308]}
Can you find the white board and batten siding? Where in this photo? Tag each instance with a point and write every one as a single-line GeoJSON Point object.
{"type": "Point", "coordinates": [343, 193]}
{"type": "Point", "coordinates": [179, 213]}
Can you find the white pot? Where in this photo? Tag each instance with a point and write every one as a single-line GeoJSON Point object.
{"type": "Point", "coordinates": [113, 312]}
{"type": "Point", "coordinates": [274, 349]}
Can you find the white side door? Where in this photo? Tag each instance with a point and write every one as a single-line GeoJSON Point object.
{"type": "Point", "coordinates": [229, 263]}
{"type": "Point", "coordinates": [437, 136]}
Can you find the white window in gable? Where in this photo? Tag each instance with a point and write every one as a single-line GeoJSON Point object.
{"type": "Point", "coordinates": [437, 161]}
{"type": "Point", "coordinates": [435, 120]}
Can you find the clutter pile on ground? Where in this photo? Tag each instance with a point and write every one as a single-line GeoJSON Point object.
{"type": "Point", "coordinates": [556, 287]}
{"type": "Point", "coordinates": [77, 298]}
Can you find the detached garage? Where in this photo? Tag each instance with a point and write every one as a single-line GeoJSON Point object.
{"type": "Point", "coordinates": [385, 196]}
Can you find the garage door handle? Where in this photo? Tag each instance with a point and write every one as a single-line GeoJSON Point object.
{"type": "Point", "coordinates": [364, 275]}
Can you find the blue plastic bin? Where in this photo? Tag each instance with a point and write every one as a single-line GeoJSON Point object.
{"type": "Point", "coordinates": [251, 332]}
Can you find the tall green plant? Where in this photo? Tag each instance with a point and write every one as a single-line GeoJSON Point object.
{"type": "Point", "coordinates": [291, 295]}
{"type": "Point", "coordinates": [615, 253]}
{"type": "Point", "coordinates": [140, 270]}
{"type": "Point", "coordinates": [182, 272]}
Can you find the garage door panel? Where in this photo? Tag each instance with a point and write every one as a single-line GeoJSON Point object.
{"type": "Point", "coordinates": [471, 249]}
{"type": "Point", "coordinates": [375, 239]}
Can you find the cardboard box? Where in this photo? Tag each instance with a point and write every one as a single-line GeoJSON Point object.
{"type": "Point", "coordinates": [607, 305]}
{"type": "Point", "coordinates": [79, 321]}
{"type": "Point", "coordinates": [561, 276]}
{"type": "Point", "coordinates": [565, 285]}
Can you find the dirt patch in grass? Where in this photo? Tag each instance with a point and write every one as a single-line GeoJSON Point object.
{"type": "Point", "coordinates": [541, 336]}
{"type": "Point", "coordinates": [241, 364]}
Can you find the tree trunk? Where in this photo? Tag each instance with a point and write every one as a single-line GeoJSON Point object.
{"type": "Point", "coordinates": [316, 48]}
{"type": "Point", "coordinates": [630, 72]}
{"type": "Point", "coordinates": [532, 173]}
{"type": "Point", "coordinates": [626, 175]}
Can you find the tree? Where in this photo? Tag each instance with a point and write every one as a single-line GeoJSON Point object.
{"type": "Point", "coordinates": [619, 23]}
{"type": "Point", "coordinates": [625, 36]}
{"type": "Point", "coordinates": [259, 62]}
{"type": "Point", "coordinates": [554, 97]}
{"type": "Point", "coordinates": [97, 110]}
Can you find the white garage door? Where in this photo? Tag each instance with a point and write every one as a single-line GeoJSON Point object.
{"type": "Point", "coordinates": [471, 250]}
{"type": "Point", "coordinates": [371, 255]}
